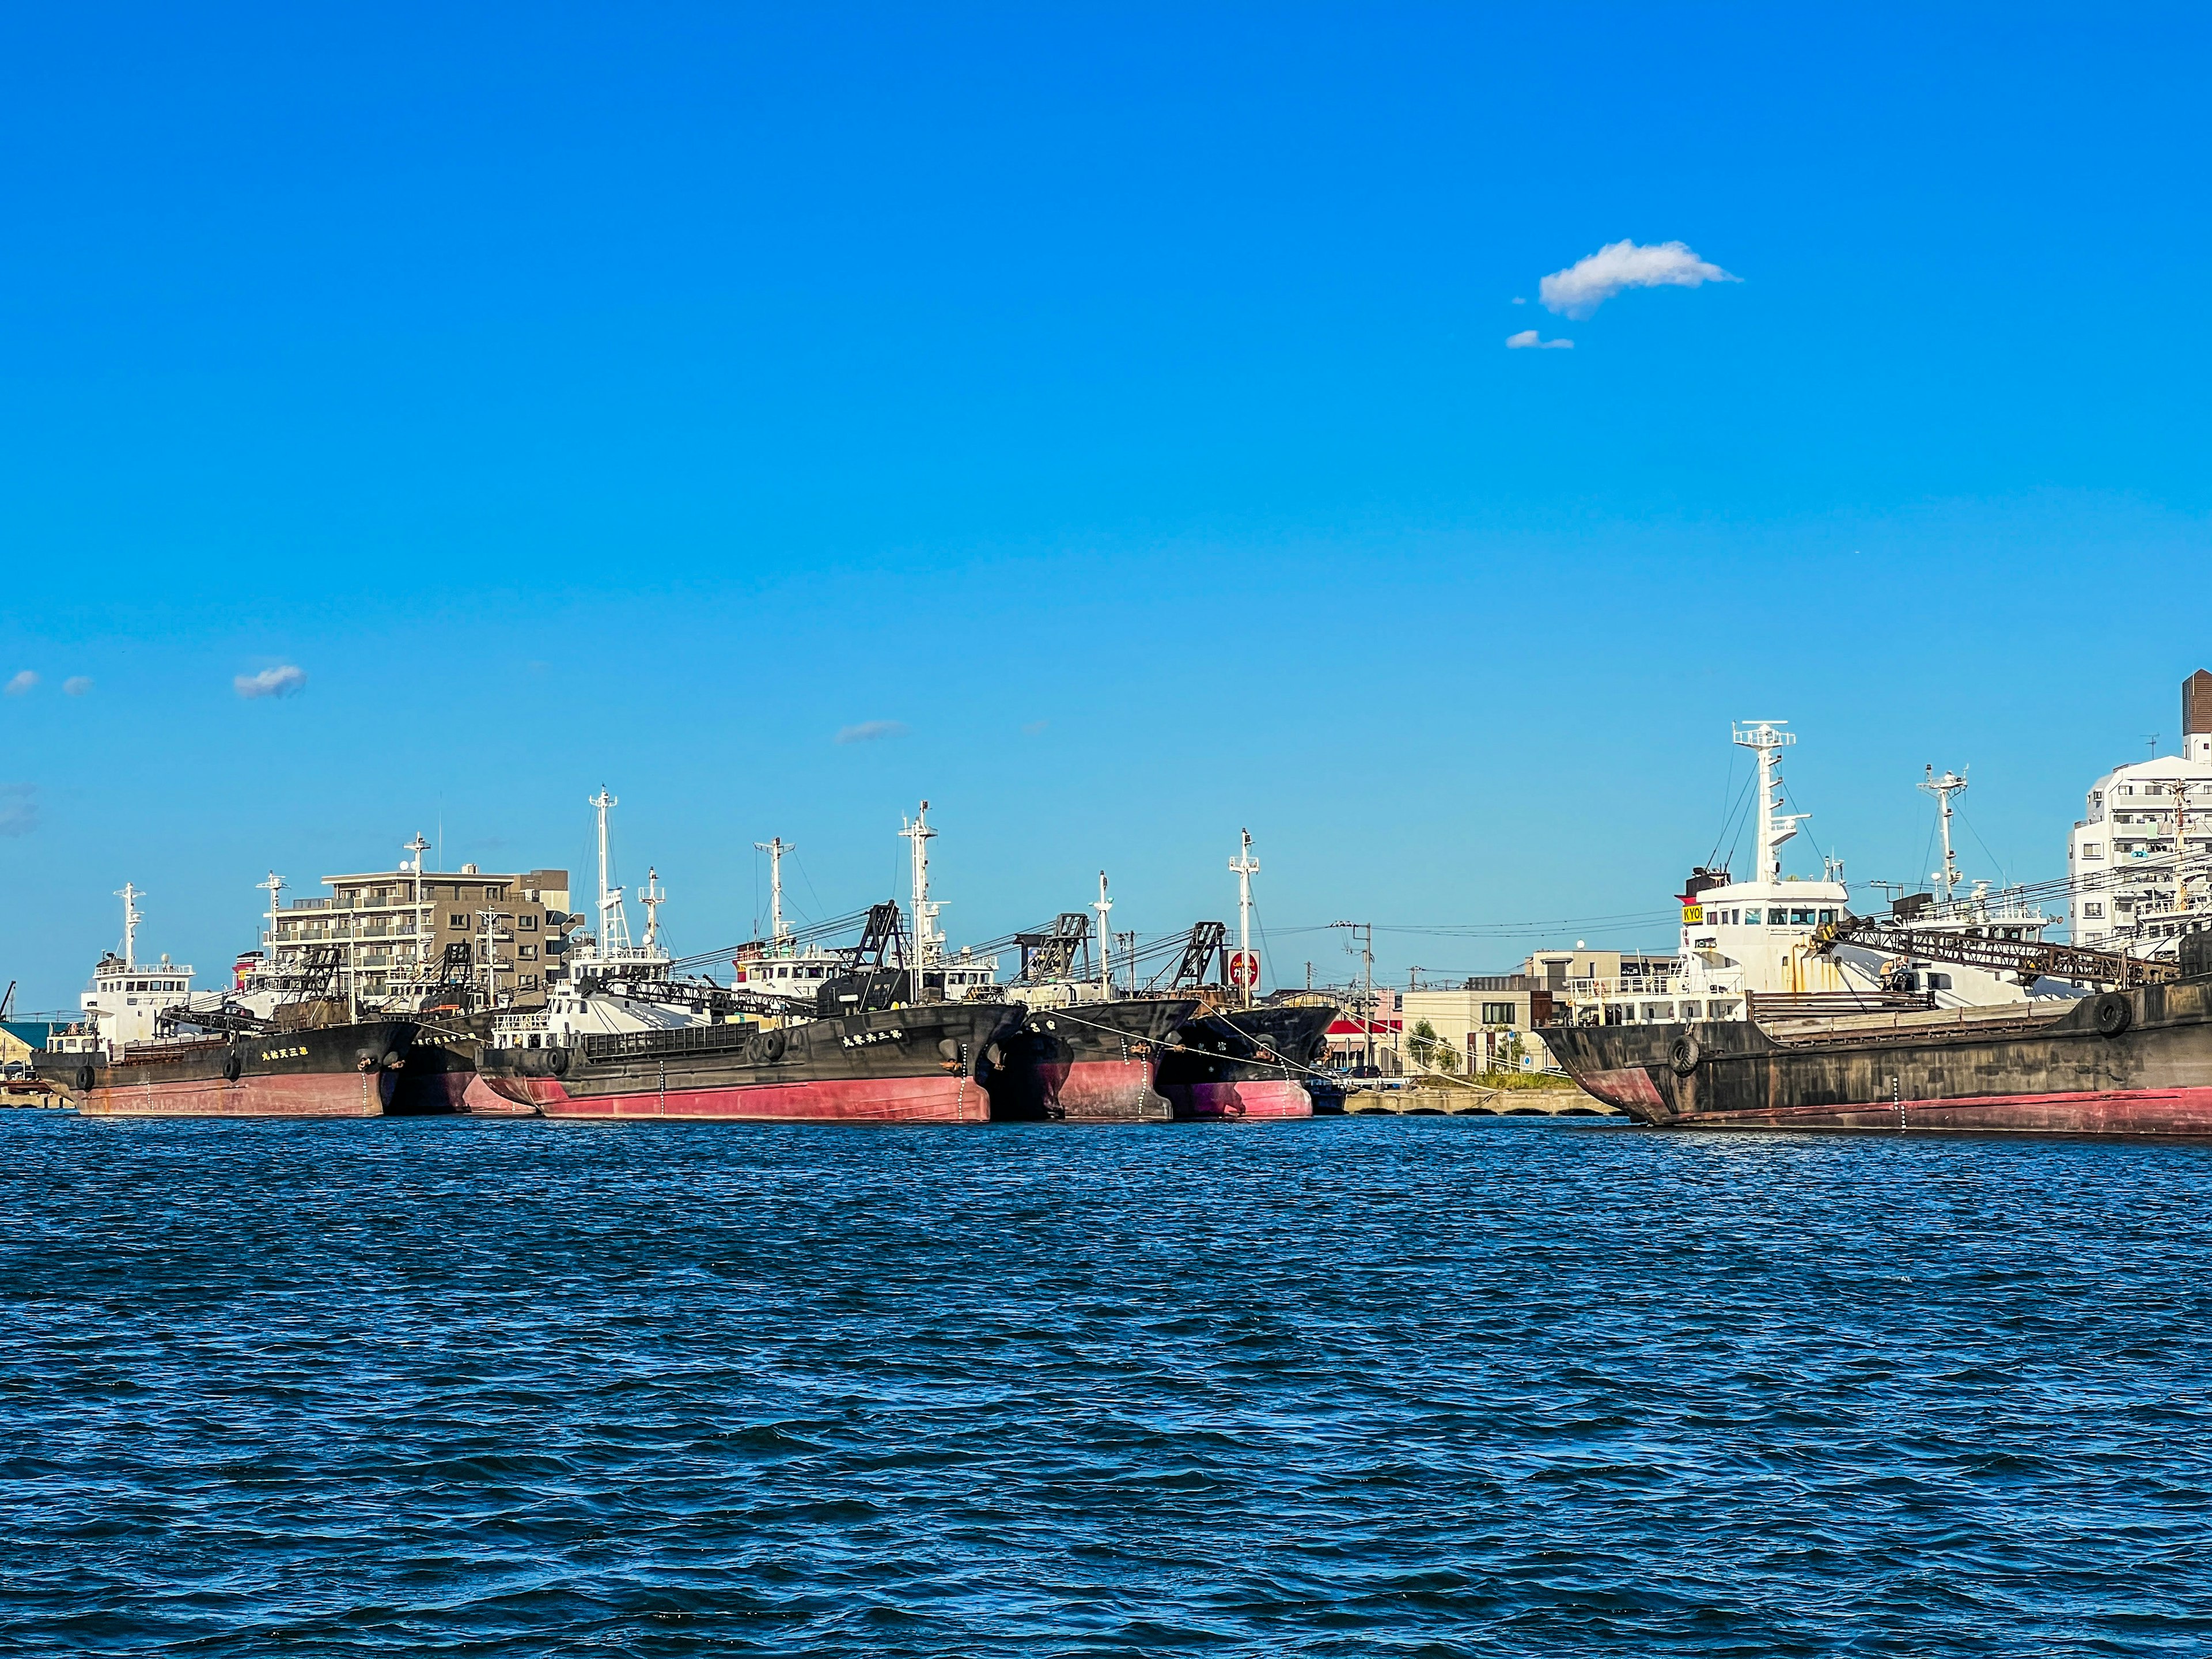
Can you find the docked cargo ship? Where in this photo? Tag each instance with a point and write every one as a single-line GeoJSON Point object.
{"type": "Point", "coordinates": [148, 1049]}
{"type": "Point", "coordinates": [2134, 1061]}
{"type": "Point", "coordinates": [1790, 1012]}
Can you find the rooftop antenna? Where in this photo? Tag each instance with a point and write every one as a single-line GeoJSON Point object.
{"type": "Point", "coordinates": [928, 944]}
{"type": "Point", "coordinates": [1767, 739]}
{"type": "Point", "coordinates": [775, 850]}
{"type": "Point", "coordinates": [130, 895]}
{"type": "Point", "coordinates": [1943, 788]}
{"type": "Point", "coordinates": [651, 897]}
{"type": "Point", "coordinates": [1104, 907]}
{"type": "Point", "coordinates": [1246, 867]}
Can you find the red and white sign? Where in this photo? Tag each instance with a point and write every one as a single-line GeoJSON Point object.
{"type": "Point", "coordinates": [1243, 968]}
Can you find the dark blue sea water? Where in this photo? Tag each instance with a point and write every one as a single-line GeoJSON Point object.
{"type": "Point", "coordinates": [1425, 1387]}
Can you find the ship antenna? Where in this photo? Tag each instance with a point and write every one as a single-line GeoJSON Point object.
{"type": "Point", "coordinates": [1104, 907]}
{"type": "Point", "coordinates": [130, 895]}
{"type": "Point", "coordinates": [926, 939]}
{"type": "Point", "coordinates": [422, 929]}
{"type": "Point", "coordinates": [1943, 788]}
{"type": "Point", "coordinates": [775, 850]}
{"type": "Point", "coordinates": [1246, 867]}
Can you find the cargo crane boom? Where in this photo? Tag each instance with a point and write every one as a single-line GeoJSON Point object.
{"type": "Point", "coordinates": [2028, 960]}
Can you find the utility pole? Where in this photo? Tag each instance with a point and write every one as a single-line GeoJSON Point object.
{"type": "Point", "coordinates": [1365, 931]}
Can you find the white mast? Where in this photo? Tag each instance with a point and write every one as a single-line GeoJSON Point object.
{"type": "Point", "coordinates": [422, 928]}
{"type": "Point", "coordinates": [1104, 907]}
{"type": "Point", "coordinates": [650, 897]}
{"type": "Point", "coordinates": [614, 925]}
{"type": "Point", "coordinates": [1766, 739]}
{"type": "Point", "coordinates": [928, 943]}
{"type": "Point", "coordinates": [274, 885]}
{"type": "Point", "coordinates": [1943, 788]}
{"type": "Point", "coordinates": [130, 895]}
{"type": "Point", "coordinates": [775, 850]}
{"type": "Point", "coordinates": [1246, 867]}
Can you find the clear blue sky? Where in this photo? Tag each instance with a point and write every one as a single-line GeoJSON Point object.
{"type": "Point", "coordinates": [1115, 400]}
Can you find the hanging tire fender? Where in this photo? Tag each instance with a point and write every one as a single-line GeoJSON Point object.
{"type": "Point", "coordinates": [1685, 1055]}
{"type": "Point", "coordinates": [2113, 1013]}
{"type": "Point", "coordinates": [233, 1064]}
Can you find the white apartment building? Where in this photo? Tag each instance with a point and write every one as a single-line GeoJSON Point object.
{"type": "Point", "coordinates": [2137, 859]}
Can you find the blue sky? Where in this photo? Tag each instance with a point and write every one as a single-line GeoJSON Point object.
{"type": "Point", "coordinates": [1116, 401]}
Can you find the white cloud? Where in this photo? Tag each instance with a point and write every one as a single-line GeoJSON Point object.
{"type": "Point", "coordinates": [869, 731]}
{"type": "Point", "coordinates": [1034, 727]}
{"type": "Point", "coordinates": [19, 809]}
{"type": "Point", "coordinates": [1585, 285]}
{"type": "Point", "coordinates": [77, 684]}
{"type": "Point", "coordinates": [21, 683]}
{"type": "Point", "coordinates": [1529, 340]}
{"type": "Point", "coordinates": [270, 682]}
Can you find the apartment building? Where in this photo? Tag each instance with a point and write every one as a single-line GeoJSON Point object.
{"type": "Point", "coordinates": [400, 930]}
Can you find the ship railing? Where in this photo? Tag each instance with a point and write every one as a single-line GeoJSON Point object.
{"type": "Point", "coordinates": [1632, 988]}
{"type": "Point", "coordinates": [682, 1039]}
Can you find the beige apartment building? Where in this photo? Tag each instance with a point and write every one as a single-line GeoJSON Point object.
{"type": "Point", "coordinates": [400, 930]}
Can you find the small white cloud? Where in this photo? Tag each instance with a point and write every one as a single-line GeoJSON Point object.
{"type": "Point", "coordinates": [869, 731]}
{"type": "Point", "coordinates": [270, 682]}
{"type": "Point", "coordinates": [21, 683]}
{"type": "Point", "coordinates": [1520, 299]}
{"type": "Point", "coordinates": [19, 809]}
{"type": "Point", "coordinates": [1528, 340]}
{"type": "Point", "coordinates": [1585, 285]}
{"type": "Point", "coordinates": [1034, 728]}
{"type": "Point", "coordinates": [77, 684]}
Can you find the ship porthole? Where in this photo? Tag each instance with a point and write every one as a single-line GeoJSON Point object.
{"type": "Point", "coordinates": [1685, 1055]}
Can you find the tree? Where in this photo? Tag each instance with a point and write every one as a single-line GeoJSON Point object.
{"type": "Point", "coordinates": [1421, 1043]}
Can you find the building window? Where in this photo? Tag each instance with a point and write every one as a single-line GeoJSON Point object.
{"type": "Point", "coordinates": [528, 924]}
{"type": "Point", "coordinates": [527, 982]}
{"type": "Point", "coordinates": [527, 953]}
{"type": "Point", "coordinates": [1498, 1013]}
{"type": "Point", "coordinates": [2092, 849]}
{"type": "Point", "coordinates": [457, 920]}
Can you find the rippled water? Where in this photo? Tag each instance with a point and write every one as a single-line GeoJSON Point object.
{"type": "Point", "coordinates": [1422, 1387]}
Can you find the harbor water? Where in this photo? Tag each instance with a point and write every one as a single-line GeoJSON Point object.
{"type": "Point", "coordinates": [1418, 1387]}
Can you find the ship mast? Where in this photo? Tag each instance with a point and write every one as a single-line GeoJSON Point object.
{"type": "Point", "coordinates": [1104, 907]}
{"type": "Point", "coordinates": [928, 942]}
{"type": "Point", "coordinates": [1246, 867]}
{"type": "Point", "coordinates": [1943, 788]}
{"type": "Point", "coordinates": [651, 896]}
{"type": "Point", "coordinates": [274, 886]}
{"type": "Point", "coordinates": [775, 850]}
{"type": "Point", "coordinates": [614, 925]}
{"type": "Point", "coordinates": [130, 895]}
{"type": "Point", "coordinates": [422, 928]}
{"type": "Point", "coordinates": [1766, 739]}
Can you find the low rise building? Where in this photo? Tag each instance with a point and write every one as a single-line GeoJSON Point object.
{"type": "Point", "coordinates": [2137, 858]}
{"type": "Point", "coordinates": [391, 934]}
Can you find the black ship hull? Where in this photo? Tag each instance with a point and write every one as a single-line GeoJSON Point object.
{"type": "Point", "coordinates": [2127, 1063]}
{"type": "Point", "coordinates": [1246, 1063]}
{"type": "Point", "coordinates": [1091, 1062]}
{"type": "Point", "coordinates": [332, 1071]}
{"type": "Point", "coordinates": [929, 1064]}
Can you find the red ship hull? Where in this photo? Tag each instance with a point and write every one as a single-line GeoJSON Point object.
{"type": "Point", "coordinates": [1255, 1097]}
{"type": "Point", "coordinates": [868, 1100]}
{"type": "Point", "coordinates": [335, 1071]}
{"type": "Point", "coordinates": [331, 1094]}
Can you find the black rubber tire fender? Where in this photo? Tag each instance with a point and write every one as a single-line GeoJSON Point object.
{"type": "Point", "coordinates": [233, 1064]}
{"type": "Point", "coordinates": [768, 1048]}
{"type": "Point", "coordinates": [84, 1078]}
{"type": "Point", "coordinates": [2113, 1013]}
{"type": "Point", "coordinates": [1685, 1055]}
{"type": "Point", "coordinates": [556, 1061]}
